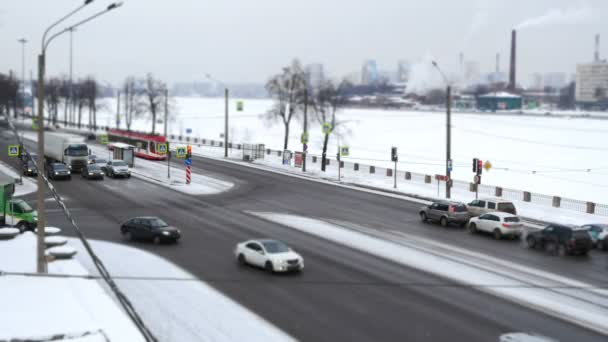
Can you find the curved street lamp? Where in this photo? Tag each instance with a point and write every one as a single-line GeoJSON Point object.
{"type": "Point", "coordinates": [208, 76]}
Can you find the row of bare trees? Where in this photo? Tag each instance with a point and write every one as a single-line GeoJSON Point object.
{"type": "Point", "coordinates": [144, 97]}
{"type": "Point", "coordinates": [293, 95]}
{"type": "Point", "coordinates": [9, 99]}
{"type": "Point", "coordinates": [61, 97]}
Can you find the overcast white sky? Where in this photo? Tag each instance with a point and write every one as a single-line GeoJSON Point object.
{"type": "Point", "coordinates": [247, 41]}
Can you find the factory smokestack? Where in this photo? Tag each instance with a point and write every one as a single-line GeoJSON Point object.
{"type": "Point", "coordinates": [513, 67]}
{"type": "Point", "coordinates": [597, 48]}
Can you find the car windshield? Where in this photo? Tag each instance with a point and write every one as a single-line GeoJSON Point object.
{"type": "Point", "coordinates": [459, 208]}
{"type": "Point", "coordinates": [158, 223]}
{"type": "Point", "coordinates": [101, 161]}
{"type": "Point", "coordinates": [512, 219]}
{"type": "Point", "coordinates": [24, 206]}
{"type": "Point", "coordinates": [94, 167]}
{"type": "Point", "coordinates": [77, 150]}
{"type": "Point", "coordinates": [580, 234]}
{"type": "Point", "coordinates": [59, 167]}
{"type": "Point", "coordinates": [119, 163]}
{"type": "Point", "coordinates": [507, 207]}
{"type": "Point", "coordinates": [30, 164]}
{"type": "Point", "coordinates": [273, 247]}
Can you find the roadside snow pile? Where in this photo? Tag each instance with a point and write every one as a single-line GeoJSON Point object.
{"type": "Point", "coordinates": [28, 186]}
{"type": "Point", "coordinates": [8, 232]}
{"type": "Point", "coordinates": [176, 305]}
{"type": "Point", "coordinates": [35, 308]}
{"type": "Point", "coordinates": [570, 300]}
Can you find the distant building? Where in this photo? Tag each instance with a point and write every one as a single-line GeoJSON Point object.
{"type": "Point", "coordinates": [592, 84]}
{"type": "Point", "coordinates": [369, 72]}
{"type": "Point", "coordinates": [499, 101]}
{"type": "Point", "coordinates": [403, 71]}
{"type": "Point", "coordinates": [315, 74]}
{"type": "Point", "coordinates": [472, 72]}
{"type": "Point", "coordinates": [496, 77]}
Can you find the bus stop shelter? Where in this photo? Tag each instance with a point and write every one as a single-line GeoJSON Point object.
{"type": "Point", "coordinates": [124, 152]}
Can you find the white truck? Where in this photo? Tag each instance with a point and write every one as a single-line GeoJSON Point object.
{"type": "Point", "coordinates": [72, 151]}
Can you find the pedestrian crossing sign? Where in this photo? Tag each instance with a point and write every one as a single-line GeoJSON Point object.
{"type": "Point", "coordinates": [181, 152]}
{"type": "Point", "coordinates": [344, 151]}
{"type": "Point", "coordinates": [161, 148]}
{"type": "Point", "coordinates": [327, 128]}
{"type": "Point", "coordinates": [13, 150]}
{"type": "Point", "coordinates": [103, 139]}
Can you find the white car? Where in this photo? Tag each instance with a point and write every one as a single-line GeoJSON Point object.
{"type": "Point", "coordinates": [498, 223]}
{"type": "Point", "coordinates": [272, 255]}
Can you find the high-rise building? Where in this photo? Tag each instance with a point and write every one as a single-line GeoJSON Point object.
{"type": "Point", "coordinates": [592, 83]}
{"type": "Point", "coordinates": [369, 72]}
{"type": "Point", "coordinates": [315, 74]}
{"type": "Point", "coordinates": [403, 71]}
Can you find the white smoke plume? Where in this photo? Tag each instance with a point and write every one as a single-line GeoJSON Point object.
{"type": "Point", "coordinates": [557, 16]}
{"type": "Point", "coordinates": [424, 76]}
{"type": "Point", "coordinates": [480, 19]}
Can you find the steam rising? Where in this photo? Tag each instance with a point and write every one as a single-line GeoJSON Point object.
{"type": "Point", "coordinates": [557, 16]}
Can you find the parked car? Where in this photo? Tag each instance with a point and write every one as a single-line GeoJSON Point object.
{"type": "Point", "coordinates": [149, 228]}
{"type": "Point", "coordinates": [445, 212]}
{"type": "Point", "coordinates": [560, 239]}
{"type": "Point", "coordinates": [92, 171]}
{"type": "Point", "coordinates": [599, 235]}
{"type": "Point", "coordinates": [117, 168]}
{"type": "Point", "coordinates": [58, 171]}
{"type": "Point", "coordinates": [487, 205]}
{"type": "Point", "coordinates": [498, 223]}
{"type": "Point", "coordinates": [272, 255]}
{"type": "Point", "coordinates": [29, 169]}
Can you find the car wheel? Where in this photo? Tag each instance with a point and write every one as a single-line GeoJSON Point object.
{"type": "Point", "coordinates": [443, 222]}
{"type": "Point", "coordinates": [601, 245]}
{"type": "Point", "coordinates": [268, 267]}
{"type": "Point", "coordinates": [423, 217]}
{"type": "Point", "coordinates": [22, 226]}
{"type": "Point", "coordinates": [156, 240]}
{"type": "Point", "coordinates": [561, 250]}
{"type": "Point", "coordinates": [129, 236]}
{"type": "Point", "coordinates": [531, 242]}
{"type": "Point", "coordinates": [497, 234]}
{"type": "Point", "coordinates": [241, 260]}
{"type": "Point", "coordinates": [472, 228]}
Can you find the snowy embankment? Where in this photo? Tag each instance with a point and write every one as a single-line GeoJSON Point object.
{"type": "Point", "coordinates": [38, 307]}
{"type": "Point", "coordinates": [156, 172]}
{"type": "Point", "coordinates": [567, 299]}
{"type": "Point", "coordinates": [176, 305]}
{"type": "Point", "coordinates": [28, 186]}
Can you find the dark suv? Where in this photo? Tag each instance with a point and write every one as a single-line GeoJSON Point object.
{"type": "Point", "coordinates": [149, 228]}
{"type": "Point", "coordinates": [562, 240]}
{"type": "Point", "coordinates": [445, 212]}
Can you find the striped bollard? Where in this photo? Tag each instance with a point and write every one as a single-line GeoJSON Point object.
{"type": "Point", "coordinates": [188, 164]}
{"type": "Point", "coordinates": [188, 174]}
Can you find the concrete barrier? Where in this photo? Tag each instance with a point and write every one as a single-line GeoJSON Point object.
{"type": "Point", "coordinates": [356, 167]}
{"type": "Point", "coordinates": [389, 172]}
{"type": "Point", "coordinates": [314, 159]}
{"type": "Point", "coordinates": [527, 196]}
{"type": "Point", "coordinates": [408, 175]}
{"type": "Point", "coordinates": [556, 201]}
{"type": "Point", "coordinates": [498, 191]}
{"type": "Point", "coordinates": [341, 164]}
{"type": "Point", "coordinates": [427, 179]}
{"type": "Point", "coordinates": [590, 208]}
{"type": "Point", "coordinates": [372, 169]}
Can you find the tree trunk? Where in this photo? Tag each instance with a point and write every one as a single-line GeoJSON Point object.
{"type": "Point", "coordinates": [79, 115]}
{"type": "Point", "coordinates": [153, 119]}
{"type": "Point", "coordinates": [65, 112]}
{"type": "Point", "coordinates": [324, 157]}
{"type": "Point", "coordinates": [94, 118]}
{"type": "Point", "coordinates": [286, 143]}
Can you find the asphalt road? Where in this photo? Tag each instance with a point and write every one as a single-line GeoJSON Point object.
{"type": "Point", "coordinates": [343, 294]}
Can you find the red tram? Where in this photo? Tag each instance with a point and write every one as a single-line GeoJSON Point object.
{"type": "Point", "coordinates": [145, 144]}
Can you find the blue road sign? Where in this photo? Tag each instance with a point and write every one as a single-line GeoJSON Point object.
{"type": "Point", "coordinates": [13, 150]}
{"type": "Point", "coordinates": [188, 130]}
{"type": "Point", "coordinates": [188, 162]}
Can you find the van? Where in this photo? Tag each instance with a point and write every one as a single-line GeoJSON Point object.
{"type": "Point", "coordinates": [486, 205]}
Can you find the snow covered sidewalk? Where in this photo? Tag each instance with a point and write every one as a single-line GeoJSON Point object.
{"type": "Point", "coordinates": [40, 307]}
{"type": "Point", "coordinates": [28, 186]}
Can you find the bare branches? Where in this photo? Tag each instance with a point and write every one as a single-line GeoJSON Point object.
{"type": "Point", "coordinates": [154, 92]}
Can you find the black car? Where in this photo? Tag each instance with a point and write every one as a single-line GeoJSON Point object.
{"type": "Point", "coordinates": [92, 171]}
{"type": "Point", "coordinates": [149, 228]}
{"type": "Point", "coordinates": [562, 240]}
{"type": "Point", "coordinates": [58, 171]}
{"type": "Point", "coordinates": [29, 169]}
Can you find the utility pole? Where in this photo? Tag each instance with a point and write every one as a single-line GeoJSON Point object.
{"type": "Point", "coordinates": [22, 41]}
{"type": "Point", "coordinates": [305, 134]}
{"type": "Point", "coordinates": [226, 125]}
{"type": "Point", "coordinates": [118, 109]}
{"type": "Point", "coordinates": [70, 101]}
{"type": "Point", "coordinates": [41, 206]}
{"type": "Point", "coordinates": [448, 156]}
{"type": "Point", "coordinates": [166, 109]}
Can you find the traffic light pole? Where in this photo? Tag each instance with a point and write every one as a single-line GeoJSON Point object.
{"type": "Point", "coordinates": [448, 173]}
{"type": "Point", "coordinates": [395, 185]}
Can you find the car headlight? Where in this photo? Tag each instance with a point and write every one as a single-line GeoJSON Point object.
{"type": "Point", "coordinates": [102, 173]}
{"type": "Point", "coordinates": [29, 170]}
{"type": "Point", "coordinates": [56, 172]}
{"type": "Point", "coordinates": [69, 172]}
{"type": "Point", "coordinates": [166, 233]}
{"type": "Point", "coordinates": [90, 173]}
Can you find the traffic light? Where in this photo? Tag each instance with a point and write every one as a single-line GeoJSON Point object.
{"type": "Point", "coordinates": [189, 152]}
{"type": "Point", "coordinates": [394, 154]}
{"type": "Point", "coordinates": [475, 164]}
{"type": "Point", "coordinates": [479, 166]}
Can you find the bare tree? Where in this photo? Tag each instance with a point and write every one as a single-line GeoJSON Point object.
{"type": "Point", "coordinates": [9, 88]}
{"type": "Point", "coordinates": [80, 100]}
{"type": "Point", "coordinates": [154, 92]}
{"type": "Point", "coordinates": [133, 105]}
{"type": "Point", "coordinates": [90, 93]}
{"type": "Point", "coordinates": [286, 89]}
{"type": "Point", "coordinates": [327, 100]}
{"type": "Point", "coordinates": [52, 97]}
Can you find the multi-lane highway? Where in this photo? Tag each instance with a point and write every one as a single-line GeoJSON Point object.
{"type": "Point", "coordinates": [343, 294]}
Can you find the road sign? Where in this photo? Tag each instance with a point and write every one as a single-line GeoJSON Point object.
{"type": "Point", "coordinates": [298, 159]}
{"type": "Point", "coordinates": [344, 151]}
{"type": "Point", "coordinates": [188, 161]}
{"type": "Point", "coordinates": [35, 123]}
{"type": "Point", "coordinates": [441, 178]}
{"type": "Point", "coordinates": [13, 150]}
{"type": "Point", "coordinates": [450, 165]}
{"type": "Point", "coordinates": [181, 152]}
{"type": "Point", "coordinates": [239, 106]}
{"type": "Point", "coordinates": [487, 165]}
{"type": "Point", "coordinates": [188, 130]}
{"type": "Point", "coordinates": [161, 148]}
{"type": "Point", "coordinates": [327, 128]}
{"type": "Point", "coordinates": [304, 138]}
{"type": "Point", "coordinates": [103, 139]}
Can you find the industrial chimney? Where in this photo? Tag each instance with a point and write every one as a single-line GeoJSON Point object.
{"type": "Point", "coordinates": [596, 58]}
{"type": "Point", "coordinates": [513, 67]}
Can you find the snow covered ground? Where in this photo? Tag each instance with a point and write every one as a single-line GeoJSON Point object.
{"type": "Point", "coordinates": [561, 156]}
{"type": "Point", "coordinates": [28, 186]}
{"type": "Point", "coordinates": [177, 305]}
{"type": "Point", "coordinates": [571, 300]}
{"type": "Point", "coordinates": [41, 307]}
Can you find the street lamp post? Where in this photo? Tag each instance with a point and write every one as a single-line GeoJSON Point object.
{"type": "Point", "coordinates": [448, 150]}
{"type": "Point", "coordinates": [40, 194]}
{"type": "Point", "coordinates": [71, 95]}
{"type": "Point", "coordinates": [22, 41]}
{"type": "Point", "coordinates": [226, 106]}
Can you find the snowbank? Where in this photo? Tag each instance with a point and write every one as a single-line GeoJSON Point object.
{"type": "Point", "coordinates": [37, 307]}
{"type": "Point", "coordinates": [28, 186]}
{"type": "Point", "coordinates": [178, 306]}
{"type": "Point", "coordinates": [568, 299]}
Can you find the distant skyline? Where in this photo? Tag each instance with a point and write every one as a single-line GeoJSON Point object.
{"type": "Point", "coordinates": [241, 41]}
